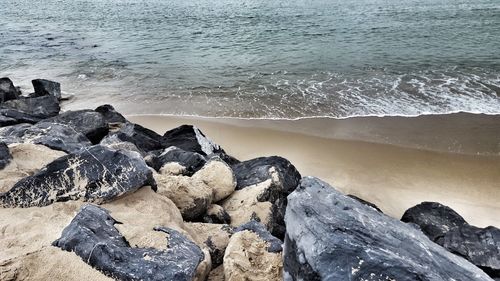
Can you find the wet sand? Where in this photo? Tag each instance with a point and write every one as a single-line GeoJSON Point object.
{"type": "Point", "coordinates": [463, 174]}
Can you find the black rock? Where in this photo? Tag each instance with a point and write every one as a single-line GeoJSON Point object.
{"type": "Point", "coordinates": [362, 201]}
{"type": "Point", "coordinates": [145, 139]}
{"type": "Point", "coordinates": [192, 161]}
{"type": "Point", "coordinates": [190, 138]}
{"type": "Point", "coordinates": [434, 219]}
{"type": "Point", "coordinates": [55, 136]}
{"type": "Point", "coordinates": [274, 244]}
{"type": "Point", "coordinates": [333, 237]}
{"type": "Point", "coordinates": [92, 236]}
{"type": "Point", "coordinates": [28, 110]}
{"type": "Point", "coordinates": [110, 114]}
{"type": "Point", "coordinates": [284, 179]}
{"type": "Point", "coordinates": [216, 214]}
{"type": "Point", "coordinates": [96, 174]}
{"type": "Point", "coordinates": [7, 90]}
{"type": "Point", "coordinates": [5, 156]}
{"type": "Point", "coordinates": [480, 246]}
{"type": "Point", "coordinates": [45, 87]}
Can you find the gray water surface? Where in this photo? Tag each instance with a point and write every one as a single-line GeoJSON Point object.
{"type": "Point", "coordinates": [260, 58]}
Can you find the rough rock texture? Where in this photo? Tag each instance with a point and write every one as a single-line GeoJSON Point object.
{"type": "Point", "coordinates": [92, 236]}
{"type": "Point", "coordinates": [26, 160]}
{"type": "Point", "coordinates": [192, 161]}
{"type": "Point", "coordinates": [219, 176]}
{"type": "Point", "coordinates": [7, 90]}
{"type": "Point", "coordinates": [434, 219]}
{"type": "Point", "coordinates": [55, 136]}
{"type": "Point", "coordinates": [370, 204]}
{"type": "Point", "coordinates": [190, 138]}
{"type": "Point", "coordinates": [480, 246]}
{"type": "Point", "coordinates": [5, 156]}
{"type": "Point", "coordinates": [248, 255]}
{"type": "Point", "coordinates": [333, 237]}
{"type": "Point", "coordinates": [213, 236]}
{"type": "Point", "coordinates": [217, 274]}
{"type": "Point", "coordinates": [87, 122]}
{"type": "Point", "coordinates": [28, 110]}
{"type": "Point", "coordinates": [97, 174]}
{"type": "Point", "coordinates": [45, 87]}
{"type": "Point", "coordinates": [216, 214]}
{"type": "Point", "coordinates": [111, 116]}
{"type": "Point", "coordinates": [145, 139]}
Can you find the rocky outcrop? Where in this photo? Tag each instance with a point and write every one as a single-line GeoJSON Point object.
{"type": "Point", "coordinates": [97, 174]}
{"type": "Point", "coordinates": [144, 139]}
{"type": "Point", "coordinates": [45, 87]}
{"type": "Point", "coordinates": [333, 237]}
{"type": "Point", "coordinates": [28, 110]}
{"type": "Point", "coordinates": [434, 219]}
{"type": "Point", "coordinates": [56, 136]}
{"type": "Point", "coordinates": [253, 254]}
{"type": "Point", "coordinates": [5, 156]}
{"type": "Point", "coordinates": [191, 161]}
{"type": "Point", "coordinates": [7, 90]}
{"type": "Point", "coordinates": [92, 236]}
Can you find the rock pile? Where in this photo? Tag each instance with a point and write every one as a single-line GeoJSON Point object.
{"type": "Point", "coordinates": [178, 207]}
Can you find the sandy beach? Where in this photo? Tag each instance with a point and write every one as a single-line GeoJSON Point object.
{"type": "Point", "coordinates": [394, 177]}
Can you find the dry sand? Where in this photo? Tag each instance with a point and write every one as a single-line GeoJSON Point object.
{"type": "Point", "coordinates": [393, 177]}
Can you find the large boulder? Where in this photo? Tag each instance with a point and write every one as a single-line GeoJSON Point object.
{"type": "Point", "coordinates": [92, 236]}
{"type": "Point", "coordinates": [56, 136]}
{"type": "Point", "coordinates": [434, 219]}
{"type": "Point", "coordinates": [215, 237]}
{"type": "Point", "coordinates": [253, 254]}
{"type": "Point", "coordinates": [480, 246]}
{"type": "Point", "coordinates": [111, 116]}
{"type": "Point", "coordinates": [191, 161]}
{"type": "Point", "coordinates": [262, 187]}
{"type": "Point", "coordinates": [28, 110]}
{"type": "Point", "coordinates": [144, 139]}
{"type": "Point", "coordinates": [97, 174]}
{"type": "Point", "coordinates": [333, 237]}
{"type": "Point", "coordinates": [45, 87]}
{"type": "Point", "coordinates": [7, 90]}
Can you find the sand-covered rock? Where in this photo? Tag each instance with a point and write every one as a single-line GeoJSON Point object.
{"type": "Point", "coordinates": [214, 237]}
{"type": "Point", "coordinates": [219, 177]}
{"type": "Point", "coordinates": [97, 174]}
{"type": "Point", "coordinates": [56, 136]}
{"type": "Point", "coordinates": [217, 274]}
{"type": "Point", "coordinates": [92, 236]}
{"type": "Point", "coordinates": [145, 139]}
{"type": "Point", "coordinates": [216, 214]}
{"type": "Point", "coordinates": [191, 161]}
{"type": "Point", "coordinates": [252, 255]}
{"type": "Point", "coordinates": [26, 160]}
{"type": "Point", "coordinates": [333, 237]}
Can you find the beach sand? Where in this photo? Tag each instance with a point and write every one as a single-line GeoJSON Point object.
{"type": "Point", "coordinates": [394, 177]}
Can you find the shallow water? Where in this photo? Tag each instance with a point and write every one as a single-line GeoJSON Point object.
{"type": "Point", "coordinates": [256, 58]}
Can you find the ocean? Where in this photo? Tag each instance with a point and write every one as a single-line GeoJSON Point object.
{"type": "Point", "coordinates": [260, 58]}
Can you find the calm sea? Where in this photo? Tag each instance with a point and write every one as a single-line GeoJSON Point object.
{"type": "Point", "coordinates": [260, 58]}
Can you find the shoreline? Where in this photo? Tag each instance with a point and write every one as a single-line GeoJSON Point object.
{"type": "Point", "coordinates": [393, 177]}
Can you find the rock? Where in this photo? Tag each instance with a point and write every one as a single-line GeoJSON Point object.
{"type": "Point", "coordinates": [87, 122]}
{"type": "Point", "coordinates": [190, 138]}
{"type": "Point", "coordinates": [213, 236]}
{"type": "Point", "coordinates": [248, 257]}
{"type": "Point", "coordinates": [123, 145]}
{"type": "Point", "coordinates": [333, 237]}
{"type": "Point", "coordinates": [219, 177]}
{"type": "Point", "coordinates": [45, 87]}
{"type": "Point", "coordinates": [56, 136]}
{"type": "Point", "coordinates": [191, 161]}
{"type": "Point", "coordinates": [28, 110]}
{"type": "Point", "coordinates": [5, 156]}
{"type": "Point", "coordinates": [7, 90]}
{"type": "Point", "coordinates": [434, 219]}
{"type": "Point", "coordinates": [217, 274]}
{"type": "Point", "coordinates": [480, 246]}
{"type": "Point", "coordinates": [111, 116]}
{"type": "Point", "coordinates": [97, 174]}
{"type": "Point", "coordinates": [362, 201]}
{"type": "Point", "coordinates": [92, 236]}
{"type": "Point", "coordinates": [216, 214]}
{"type": "Point", "coordinates": [145, 139]}
{"type": "Point", "coordinates": [26, 160]}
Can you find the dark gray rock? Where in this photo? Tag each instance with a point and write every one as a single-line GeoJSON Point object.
{"type": "Point", "coordinates": [365, 202]}
{"type": "Point", "coordinates": [192, 161]}
{"type": "Point", "coordinates": [434, 219]}
{"type": "Point", "coordinates": [480, 246]}
{"type": "Point", "coordinates": [145, 139]}
{"type": "Point", "coordinates": [96, 174]}
{"type": "Point", "coordinates": [285, 179]}
{"type": "Point", "coordinates": [92, 236]}
{"type": "Point", "coordinates": [45, 87]}
{"type": "Point", "coordinates": [261, 231]}
{"type": "Point", "coordinates": [110, 115]}
{"type": "Point", "coordinates": [7, 90]}
{"type": "Point", "coordinates": [333, 237]}
{"type": "Point", "coordinates": [5, 156]}
{"type": "Point", "coordinates": [216, 214]}
{"type": "Point", "coordinates": [55, 136]}
{"type": "Point", "coordinates": [28, 110]}
{"type": "Point", "coordinates": [189, 138]}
